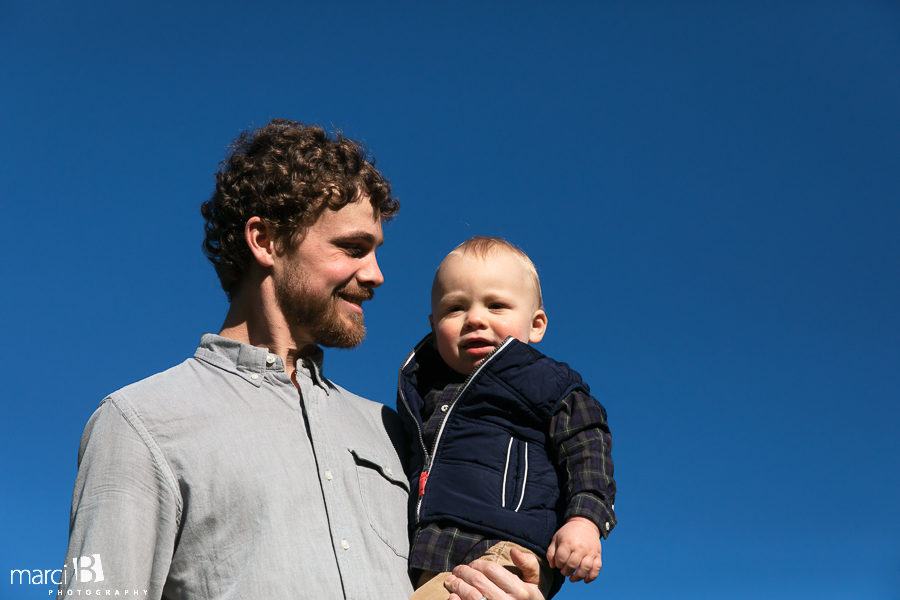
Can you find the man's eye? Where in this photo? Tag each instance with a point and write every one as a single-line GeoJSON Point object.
{"type": "Point", "coordinates": [355, 251]}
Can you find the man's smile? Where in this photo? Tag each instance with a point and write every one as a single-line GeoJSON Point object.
{"type": "Point", "coordinates": [355, 299]}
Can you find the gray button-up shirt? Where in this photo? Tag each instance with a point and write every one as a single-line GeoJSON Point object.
{"type": "Point", "coordinates": [217, 479]}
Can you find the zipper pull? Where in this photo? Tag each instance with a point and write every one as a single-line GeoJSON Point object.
{"type": "Point", "coordinates": [423, 477]}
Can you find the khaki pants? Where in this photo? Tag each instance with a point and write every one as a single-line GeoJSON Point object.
{"type": "Point", "coordinates": [431, 585]}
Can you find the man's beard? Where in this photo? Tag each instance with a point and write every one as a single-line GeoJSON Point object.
{"type": "Point", "coordinates": [321, 316]}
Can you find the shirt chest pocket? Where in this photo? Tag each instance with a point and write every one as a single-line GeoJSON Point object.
{"type": "Point", "coordinates": [384, 491]}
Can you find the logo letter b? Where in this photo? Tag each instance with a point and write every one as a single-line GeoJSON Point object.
{"type": "Point", "coordinates": [88, 568]}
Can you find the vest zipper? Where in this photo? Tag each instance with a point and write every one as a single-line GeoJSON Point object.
{"type": "Point", "coordinates": [405, 402]}
{"type": "Point", "coordinates": [429, 458]}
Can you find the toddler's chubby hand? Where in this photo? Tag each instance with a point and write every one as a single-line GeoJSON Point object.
{"type": "Point", "coordinates": [575, 550]}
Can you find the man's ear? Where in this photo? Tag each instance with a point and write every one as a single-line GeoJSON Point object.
{"type": "Point", "coordinates": [261, 241]}
{"type": "Point", "coordinates": [538, 326]}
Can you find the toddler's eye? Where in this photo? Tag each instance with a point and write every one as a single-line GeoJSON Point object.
{"type": "Point", "coordinates": [496, 306]}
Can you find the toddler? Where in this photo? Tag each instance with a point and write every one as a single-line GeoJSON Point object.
{"type": "Point", "coordinates": [509, 449]}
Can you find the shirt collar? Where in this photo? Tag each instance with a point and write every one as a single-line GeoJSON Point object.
{"type": "Point", "coordinates": [252, 362]}
{"type": "Point", "coordinates": [311, 366]}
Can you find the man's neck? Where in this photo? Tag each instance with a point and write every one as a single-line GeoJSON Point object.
{"type": "Point", "coordinates": [257, 320]}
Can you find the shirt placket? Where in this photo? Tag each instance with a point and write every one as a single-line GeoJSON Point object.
{"type": "Point", "coordinates": [331, 462]}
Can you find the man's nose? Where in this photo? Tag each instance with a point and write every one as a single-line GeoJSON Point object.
{"type": "Point", "coordinates": [370, 274]}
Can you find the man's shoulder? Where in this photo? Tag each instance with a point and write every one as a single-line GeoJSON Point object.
{"type": "Point", "coordinates": [176, 387]}
{"type": "Point", "coordinates": [170, 378]}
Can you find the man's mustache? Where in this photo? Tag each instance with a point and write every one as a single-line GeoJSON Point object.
{"type": "Point", "coordinates": [356, 293]}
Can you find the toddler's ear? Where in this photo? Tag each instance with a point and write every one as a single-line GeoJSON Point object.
{"type": "Point", "coordinates": [538, 326]}
{"type": "Point", "coordinates": [431, 322]}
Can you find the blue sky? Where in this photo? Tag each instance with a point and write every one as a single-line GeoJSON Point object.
{"type": "Point", "coordinates": [709, 190]}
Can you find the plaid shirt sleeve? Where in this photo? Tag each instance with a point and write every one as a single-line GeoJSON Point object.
{"type": "Point", "coordinates": [583, 443]}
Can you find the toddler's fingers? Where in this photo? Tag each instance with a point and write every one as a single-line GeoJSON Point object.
{"type": "Point", "coordinates": [588, 570]}
{"type": "Point", "coordinates": [575, 565]}
{"type": "Point", "coordinates": [565, 561]}
{"type": "Point", "coordinates": [551, 554]}
{"type": "Point", "coordinates": [595, 569]}
{"type": "Point", "coordinates": [583, 571]}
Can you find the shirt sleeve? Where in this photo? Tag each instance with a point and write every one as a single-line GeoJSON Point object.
{"type": "Point", "coordinates": [125, 511]}
{"type": "Point", "coordinates": [581, 436]}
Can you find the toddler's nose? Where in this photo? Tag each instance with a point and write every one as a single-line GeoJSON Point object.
{"type": "Point", "coordinates": [475, 319]}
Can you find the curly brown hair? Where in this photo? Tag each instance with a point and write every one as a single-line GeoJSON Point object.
{"type": "Point", "coordinates": [286, 173]}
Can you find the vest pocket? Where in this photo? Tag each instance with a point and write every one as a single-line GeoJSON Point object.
{"type": "Point", "coordinates": [515, 475]}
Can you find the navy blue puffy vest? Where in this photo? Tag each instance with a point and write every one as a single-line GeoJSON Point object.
{"type": "Point", "coordinates": [491, 469]}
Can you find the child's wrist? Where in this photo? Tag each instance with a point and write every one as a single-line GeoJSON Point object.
{"type": "Point", "coordinates": [584, 520]}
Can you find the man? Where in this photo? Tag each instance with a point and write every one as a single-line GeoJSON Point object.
{"type": "Point", "coordinates": [244, 472]}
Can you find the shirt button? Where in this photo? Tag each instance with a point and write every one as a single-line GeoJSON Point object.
{"type": "Point", "coordinates": [328, 475]}
{"type": "Point", "coordinates": [270, 359]}
{"type": "Point", "coordinates": [389, 472]}
{"type": "Point", "coordinates": [607, 525]}
{"type": "Point", "coordinates": [345, 544]}
{"type": "Point", "coordinates": [444, 407]}
{"type": "Point", "coordinates": [254, 376]}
